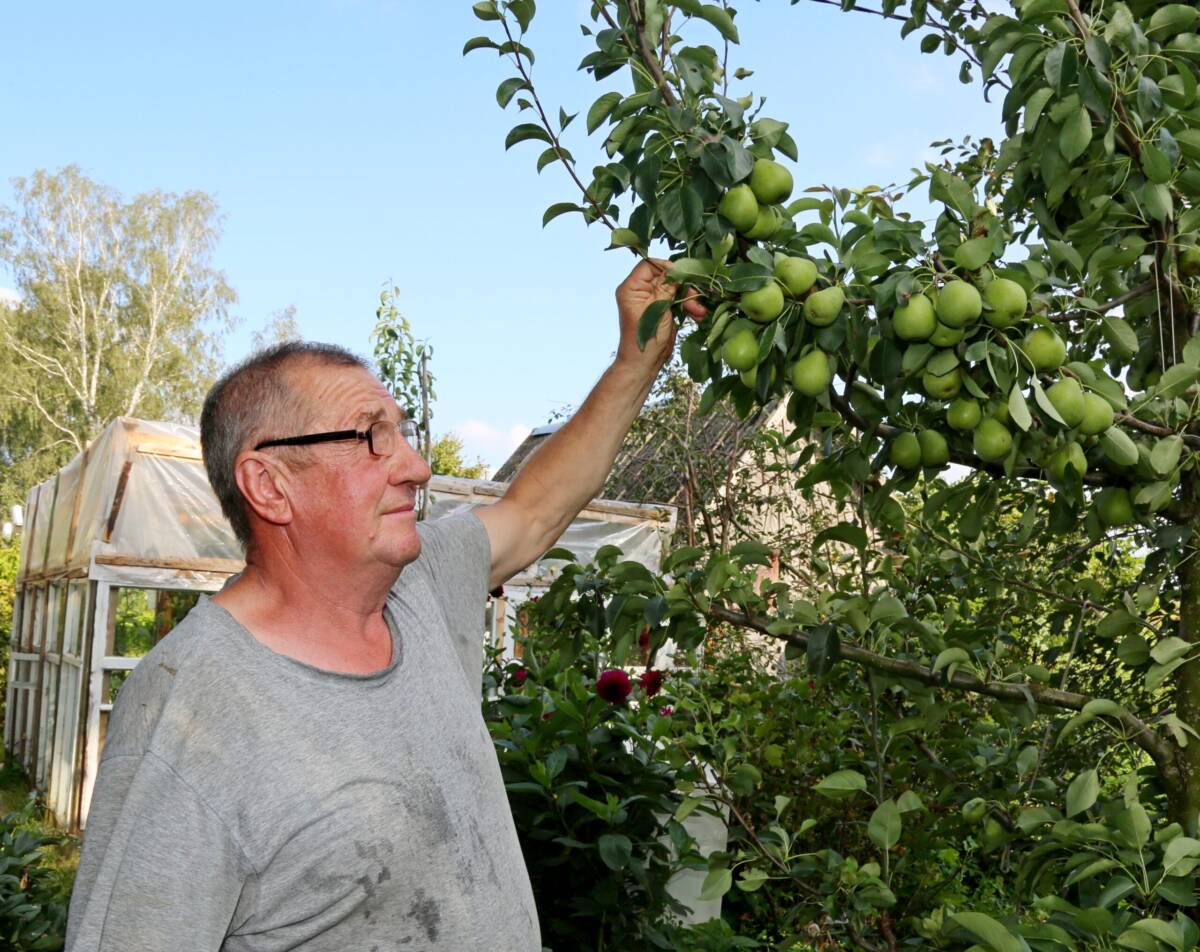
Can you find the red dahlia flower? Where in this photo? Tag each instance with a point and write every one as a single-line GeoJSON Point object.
{"type": "Point", "coordinates": [652, 682]}
{"type": "Point", "coordinates": [614, 686]}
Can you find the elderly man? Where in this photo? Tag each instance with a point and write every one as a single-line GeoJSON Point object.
{"type": "Point", "coordinates": [301, 763]}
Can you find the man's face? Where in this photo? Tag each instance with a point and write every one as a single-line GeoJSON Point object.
{"type": "Point", "coordinates": [358, 508]}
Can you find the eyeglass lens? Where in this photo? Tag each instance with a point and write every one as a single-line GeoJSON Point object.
{"type": "Point", "coordinates": [382, 435]}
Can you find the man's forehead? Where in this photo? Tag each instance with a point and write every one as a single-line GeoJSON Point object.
{"type": "Point", "coordinates": [349, 393]}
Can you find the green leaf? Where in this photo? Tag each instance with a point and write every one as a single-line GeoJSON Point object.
{"type": "Point", "coordinates": [716, 884]}
{"type": "Point", "coordinates": [1169, 649]}
{"type": "Point", "coordinates": [558, 552]}
{"type": "Point", "coordinates": [1018, 409]}
{"type": "Point", "coordinates": [909, 801]}
{"type": "Point", "coordinates": [1165, 455]}
{"type": "Point", "coordinates": [823, 650]}
{"type": "Point", "coordinates": [991, 933]}
{"type": "Point", "coordinates": [648, 324]}
{"type": "Point", "coordinates": [1176, 379]}
{"type": "Point", "coordinates": [1181, 855]}
{"type": "Point", "coordinates": [1159, 673]}
{"type": "Point", "coordinates": [1082, 792]}
{"type": "Point", "coordinates": [486, 10]}
{"type": "Point", "coordinates": [561, 208]}
{"type": "Point", "coordinates": [1075, 135]}
{"type": "Point", "coordinates": [974, 254]}
{"type": "Point", "coordinates": [479, 43]}
{"type": "Point", "coordinates": [624, 238]}
{"type": "Point", "coordinates": [842, 532]}
{"type": "Point", "coordinates": [885, 825]}
{"type": "Point", "coordinates": [1157, 201]}
{"type": "Point", "coordinates": [841, 784]}
{"type": "Point", "coordinates": [615, 850]}
{"type": "Point", "coordinates": [601, 109]}
{"type": "Point", "coordinates": [507, 89]}
{"type": "Point", "coordinates": [681, 211]}
{"type": "Point", "coordinates": [523, 11]}
{"type": "Point", "coordinates": [951, 656]}
{"type": "Point", "coordinates": [1119, 447]}
{"type": "Point", "coordinates": [1155, 164]}
{"type": "Point", "coordinates": [1098, 52]}
{"type": "Point", "coordinates": [1160, 931]}
{"type": "Point", "coordinates": [752, 879]}
{"type": "Point", "coordinates": [1034, 106]}
{"type": "Point", "coordinates": [1119, 333]}
{"type": "Point", "coordinates": [721, 20]}
{"type": "Point", "coordinates": [1117, 623]}
{"type": "Point", "coordinates": [525, 132]}
{"type": "Point", "coordinates": [687, 807]}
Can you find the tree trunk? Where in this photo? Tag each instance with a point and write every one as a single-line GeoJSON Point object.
{"type": "Point", "coordinates": [1183, 784]}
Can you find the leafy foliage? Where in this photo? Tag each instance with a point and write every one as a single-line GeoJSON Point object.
{"type": "Point", "coordinates": [593, 797]}
{"type": "Point", "coordinates": [34, 893]}
{"type": "Point", "coordinates": [1042, 334]}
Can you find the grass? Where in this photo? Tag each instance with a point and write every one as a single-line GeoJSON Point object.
{"type": "Point", "coordinates": [14, 788]}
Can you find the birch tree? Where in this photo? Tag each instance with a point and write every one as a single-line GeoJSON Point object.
{"type": "Point", "coordinates": [121, 310]}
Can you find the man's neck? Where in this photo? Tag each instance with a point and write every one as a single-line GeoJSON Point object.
{"type": "Point", "coordinates": [325, 619]}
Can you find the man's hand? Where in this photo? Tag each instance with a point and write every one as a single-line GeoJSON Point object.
{"type": "Point", "coordinates": [646, 284]}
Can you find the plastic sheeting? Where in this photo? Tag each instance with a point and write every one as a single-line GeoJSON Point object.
{"type": "Point", "coordinates": [147, 479]}
{"type": "Point", "coordinates": [640, 542]}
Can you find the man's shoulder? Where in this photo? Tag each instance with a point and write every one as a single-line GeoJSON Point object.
{"type": "Point", "coordinates": [188, 663]}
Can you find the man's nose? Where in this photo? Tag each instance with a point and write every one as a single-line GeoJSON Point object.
{"type": "Point", "coordinates": [407, 465]}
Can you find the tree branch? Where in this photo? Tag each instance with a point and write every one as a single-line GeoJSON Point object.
{"type": "Point", "coordinates": [1131, 295]}
{"type": "Point", "coordinates": [1159, 749]}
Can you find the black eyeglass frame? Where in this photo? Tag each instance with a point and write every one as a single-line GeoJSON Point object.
{"type": "Point", "coordinates": [338, 436]}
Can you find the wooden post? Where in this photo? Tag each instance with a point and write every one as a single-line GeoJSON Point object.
{"type": "Point", "coordinates": [426, 435]}
{"type": "Point", "coordinates": [104, 618]}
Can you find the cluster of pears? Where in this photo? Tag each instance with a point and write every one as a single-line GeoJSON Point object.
{"type": "Point", "coordinates": [1082, 412]}
{"type": "Point", "coordinates": [754, 209]}
{"type": "Point", "coordinates": [942, 318]}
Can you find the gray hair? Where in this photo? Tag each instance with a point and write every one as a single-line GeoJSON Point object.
{"type": "Point", "coordinates": [251, 403]}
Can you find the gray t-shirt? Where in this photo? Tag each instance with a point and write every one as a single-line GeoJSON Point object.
{"type": "Point", "coordinates": [251, 803]}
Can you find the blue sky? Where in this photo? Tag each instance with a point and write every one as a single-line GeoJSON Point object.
{"type": "Point", "coordinates": [348, 143]}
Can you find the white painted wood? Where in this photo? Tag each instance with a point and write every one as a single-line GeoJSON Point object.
{"type": "Point", "coordinates": [91, 745]}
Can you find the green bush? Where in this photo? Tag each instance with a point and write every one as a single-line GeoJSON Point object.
{"type": "Point", "coordinates": [593, 798]}
{"type": "Point", "coordinates": [35, 886]}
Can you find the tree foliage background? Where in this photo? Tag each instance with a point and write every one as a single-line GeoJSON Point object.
{"type": "Point", "coordinates": [120, 313]}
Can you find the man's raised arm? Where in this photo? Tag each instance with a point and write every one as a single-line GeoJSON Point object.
{"type": "Point", "coordinates": [570, 468]}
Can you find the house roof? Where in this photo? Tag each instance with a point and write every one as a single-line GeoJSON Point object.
{"type": "Point", "coordinates": [638, 473]}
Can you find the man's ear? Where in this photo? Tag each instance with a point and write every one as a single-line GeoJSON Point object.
{"type": "Point", "coordinates": [264, 486]}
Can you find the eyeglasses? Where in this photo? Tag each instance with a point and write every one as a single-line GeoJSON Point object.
{"type": "Point", "coordinates": [381, 437]}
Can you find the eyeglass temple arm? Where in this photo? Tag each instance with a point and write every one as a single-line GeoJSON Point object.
{"type": "Point", "coordinates": [315, 438]}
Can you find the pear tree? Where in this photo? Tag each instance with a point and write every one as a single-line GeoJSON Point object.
{"type": "Point", "coordinates": [1041, 334]}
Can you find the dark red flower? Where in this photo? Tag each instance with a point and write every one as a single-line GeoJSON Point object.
{"type": "Point", "coordinates": [614, 686]}
{"type": "Point", "coordinates": [666, 710]}
{"type": "Point", "coordinates": [519, 676]}
{"type": "Point", "coordinates": [644, 639]}
{"type": "Point", "coordinates": [652, 682]}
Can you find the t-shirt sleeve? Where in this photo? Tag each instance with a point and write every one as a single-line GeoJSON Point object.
{"type": "Point", "coordinates": [158, 870]}
{"type": "Point", "coordinates": [458, 559]}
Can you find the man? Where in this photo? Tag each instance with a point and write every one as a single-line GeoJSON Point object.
{"type": "Point", "coordinates": [302, 763]}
